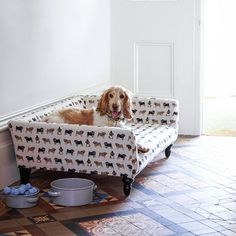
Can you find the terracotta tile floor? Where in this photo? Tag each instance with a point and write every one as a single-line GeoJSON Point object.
{"type": "Point", "coordinates": [191, 193]}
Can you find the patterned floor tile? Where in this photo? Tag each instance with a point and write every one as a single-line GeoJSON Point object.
{"type": "Point", "coordinates": [18, 233]}
{"type": "Point", "coordinates": [191, 193]}
{"type": "Point", "coordinates": [99, 197]}
{"type": "Point", "coordinates": [194, 226]}
{"type": "Point", "coordinates": [132, 224]}
{"type": "Point", "coordinates": [8, 224]}
{"type": "Point", "coordinates": [23, 221]}
{"type": "Point", "coordinates": [55, 228]}
{"type": "Point", "coordinates": [41, 219]}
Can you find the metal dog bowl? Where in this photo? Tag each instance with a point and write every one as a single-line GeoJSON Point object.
{"type": "Point", "coordinates": [72, 191]}
{"type": "Point", "coordinates": [21, 201]}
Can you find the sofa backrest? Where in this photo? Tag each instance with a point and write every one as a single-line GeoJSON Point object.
{"type": "Point", "coordinates": [145, 110]}
{"type": "Point", "coordinates": [40, 113]}
{"type": "Point", "coordinates": [163, 111]}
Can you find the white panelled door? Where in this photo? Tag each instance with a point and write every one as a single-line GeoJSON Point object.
{"type": "Point", "coordinates": [155, 52]}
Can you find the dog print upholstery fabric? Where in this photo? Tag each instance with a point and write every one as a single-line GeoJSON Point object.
{"type": "Point", "coordinates": [92, 149]}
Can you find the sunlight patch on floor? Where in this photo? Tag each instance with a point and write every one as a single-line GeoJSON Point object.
{"type": "Point", "coordinates": [220, 116]}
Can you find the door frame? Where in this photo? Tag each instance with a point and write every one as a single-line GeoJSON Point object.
{"type": "Point", "coordinates": [199, 90]}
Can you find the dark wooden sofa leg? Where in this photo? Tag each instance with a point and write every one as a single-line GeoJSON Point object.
{"type": "Point", "coordinates": [168, 151]}
{"type": "Point", "coordinates": [127, 184]}
{"type": "Point", "coordinates": [24, 174]}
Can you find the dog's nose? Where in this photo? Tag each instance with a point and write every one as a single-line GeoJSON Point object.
{"type": "Point", "coordinates": [115, 107]}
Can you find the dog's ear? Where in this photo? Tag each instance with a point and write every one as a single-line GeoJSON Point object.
{"type": "Point", "coordinates": [103, 103]}
{"type": "Point", "coordinates": [127, 106]}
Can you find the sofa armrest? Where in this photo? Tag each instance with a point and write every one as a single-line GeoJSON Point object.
{"type": "Point", "coordinates": [86, 149]}
{"type": "Point", "coordinates": [161, 111]}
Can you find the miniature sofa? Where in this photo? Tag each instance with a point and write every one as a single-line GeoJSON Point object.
{"type": "Point", "coordinates": [91, 149]}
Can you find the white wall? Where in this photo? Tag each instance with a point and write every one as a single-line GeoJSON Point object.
{"type": "Point", "coordinates": [155, 52]}
{"type": "Point", "coordinates": [48, 49]}
{"type": "Point", "coordinates": [219, 48]}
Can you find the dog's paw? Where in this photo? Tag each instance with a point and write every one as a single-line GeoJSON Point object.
{"type": "Point", "coordinates": [142, 149]}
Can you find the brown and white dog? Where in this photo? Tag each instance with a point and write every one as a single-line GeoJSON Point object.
{"type": "Point", "coordinates": [113, 109]}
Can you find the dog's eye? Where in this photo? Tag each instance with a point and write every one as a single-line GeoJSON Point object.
{"type": "Point", "coordinates": [122, 96]}
{"type": "Point", "coordinates": [110, 95]}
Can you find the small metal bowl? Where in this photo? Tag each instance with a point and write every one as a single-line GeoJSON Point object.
{"type": "Point", "coordinates": [72, 191]}
{"type": "Point", "coordinates": [21, 201]}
